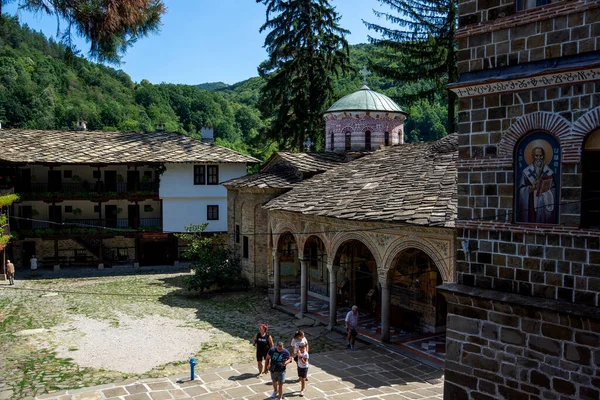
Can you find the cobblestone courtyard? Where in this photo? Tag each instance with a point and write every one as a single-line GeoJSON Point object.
{"type": "Point", "coordinates": [69, 333]}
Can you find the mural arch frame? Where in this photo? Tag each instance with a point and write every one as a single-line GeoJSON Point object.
{"type": "Point", "coordinates": [341, 238]}
{"type": "Point", "coordinates": [401, 244]}
{"type": "Point", "coordinates": [280, 228]}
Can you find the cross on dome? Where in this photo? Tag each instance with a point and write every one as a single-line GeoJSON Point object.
{"type": "Point", "coordinates": [365, 72]}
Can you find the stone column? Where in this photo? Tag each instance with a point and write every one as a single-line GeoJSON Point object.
{"type": "Point", "coordinates": [332, 295]}
{"type": "Point", "coordinates": [276, 278]}
{"type": "Point", "coordinates": [385, 310]}
{"type": "Point", "coordinates": [303, 286]}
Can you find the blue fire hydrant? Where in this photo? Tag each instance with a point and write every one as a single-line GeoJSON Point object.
{"type": "Point", "coordinates": [192, 365]}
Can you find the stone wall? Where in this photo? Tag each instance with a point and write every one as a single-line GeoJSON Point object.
{"type": "Point", "coordinates": [560, 29]}
{"type": "Point", "coordinates": [516, 350]}
{"type": "Point", "coordinates": [244, 210]}
{"type": "Point", "coordinates": [523, 316]}
{"type": "Point", "coordinates": [358, 126]}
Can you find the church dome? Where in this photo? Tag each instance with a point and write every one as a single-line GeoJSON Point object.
{"type": "Point", "coordinates": [365, 99]}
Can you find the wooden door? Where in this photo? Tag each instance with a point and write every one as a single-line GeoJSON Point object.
{"type": "Point", "coordinates": [133, 181]}
{"type": "Point", "coordinates": [110, 214]}
{"type": "Point", "coordinates": [110, 181]}
{"type": "Point", "coordinates": [54, 181]}
{"type": "Point", "coordinates": [133, 213]}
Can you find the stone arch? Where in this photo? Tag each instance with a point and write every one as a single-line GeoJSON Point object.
{"type": "Point", "coordinates": [339, 239]}
{"type": "Point", "coordinates": [587, 123]}
{"type": "Point", "coordinates": [282, 227]}
{"type": "Point", "coordinates": [544, 121]}
{"type": "Point", "coordinates": [442, 262]}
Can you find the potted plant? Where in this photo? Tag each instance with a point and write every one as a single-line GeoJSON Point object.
{"type": "Point", "coordinates": [77, 211]}
{"type": "Point", "coordinates": [120, 178]}
{"type": "Point", "coordinates": [76, 178]}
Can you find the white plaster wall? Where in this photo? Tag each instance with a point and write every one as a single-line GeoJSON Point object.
{"type": "Point", "coordinates": [178, 181]}
{"type": "Point", "coordinates": [185, 203]}
{"type": "Point", "coordinates": [180, 212]}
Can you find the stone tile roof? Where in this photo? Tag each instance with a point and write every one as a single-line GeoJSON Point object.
{"type": "Point", "coordinates": [285, 169]}
{"type": "Point", "coordinates": [411, 183]}
{"type": "Point", "coordinates": [85, 147]}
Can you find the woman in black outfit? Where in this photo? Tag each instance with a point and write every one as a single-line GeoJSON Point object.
{"type": "Point", "coordinates": [263, 342]}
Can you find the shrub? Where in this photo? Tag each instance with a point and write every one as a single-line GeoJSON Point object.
{"type": "Point", "coordinates": [214, 265]}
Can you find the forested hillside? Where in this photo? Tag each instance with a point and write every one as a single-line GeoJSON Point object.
{"type": "Point", "coordinates": [43, 85]}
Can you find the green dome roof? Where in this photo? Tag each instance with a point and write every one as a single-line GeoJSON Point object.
{"type": "Point", "coordinates": [365, 99]}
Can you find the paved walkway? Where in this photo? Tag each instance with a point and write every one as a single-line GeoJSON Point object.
{"type": "Point", "coordinates": [367, 373]}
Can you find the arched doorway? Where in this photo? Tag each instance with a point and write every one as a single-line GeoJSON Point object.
{"type": "Point", "coordinates": [289, 265]}
{"type": "Point", "coordinates": [357, 277]}
{"type": "Point", "coordinates": [415, 304]}
{"type": "Point", "coordinates": [318, 275]}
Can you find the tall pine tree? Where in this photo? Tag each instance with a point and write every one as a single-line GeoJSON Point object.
{"type": "Point", "coordinates": [306, 48]}
{"type": "Point", "coordinates": [423, 48]}
{"type": "Point", "coordinates": [110, 26]}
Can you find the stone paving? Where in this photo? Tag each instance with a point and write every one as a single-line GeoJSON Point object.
{"type": "Point", "coordinates": [367, 373]}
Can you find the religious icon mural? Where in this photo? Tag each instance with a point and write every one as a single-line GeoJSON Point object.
{"type": "Point", "coordinates": [538, 179]}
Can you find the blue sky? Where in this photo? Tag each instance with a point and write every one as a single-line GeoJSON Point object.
{"type": "Point", "coordinates": [207, 40]}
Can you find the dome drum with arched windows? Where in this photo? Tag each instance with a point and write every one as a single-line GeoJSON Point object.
{"type": "Point", "coordinates": [363, 121]}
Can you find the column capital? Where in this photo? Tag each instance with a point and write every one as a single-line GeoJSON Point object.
{"type": "Point", "coordinates": [384, 282]}
{"type": "Point", "coordinates": [275, 253]}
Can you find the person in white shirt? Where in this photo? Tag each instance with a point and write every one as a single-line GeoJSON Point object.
{"type": "Point", "coordinates": [302, 366]}
{"type": "Point", "coordinates": [33, 264]}
{"type": "Point", "coordinates": [351, 325]}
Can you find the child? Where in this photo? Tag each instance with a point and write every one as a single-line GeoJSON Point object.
{"type": "Point", "coordinates": [298, 338]}
{"type": "Point", "coordinates": [296, 341]}
{"type": "Point", "coordinates": [302, 366]}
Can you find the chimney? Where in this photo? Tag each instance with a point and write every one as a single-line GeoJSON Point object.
{"type": "Point", "coordinates": [160, 127]}
{"type": "Point", "coordinates": [208, 134]}
{"type": "Point", "coordinates": [81, 125]}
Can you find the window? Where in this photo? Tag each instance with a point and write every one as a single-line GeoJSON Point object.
{"type": "Point", "coordinates": [199, 178]}
{"type": "Point", "coordinates": [368, 140]}
{"type": "Point", "coordinates": [348, 144]}
{"type": "Point", "coordinates": [245, 247]}
{"type": "Point", "coordinates": [537, 177]}
{"type": "Point", "coordinates": [212, 175]}
{"type": "Point", "coordinates": [96, 209]}
{"type": "Point", "coordinates": [68, 209]}
{"type": "Point", "coordinates": [68, 174]}
{"type": "Point", "coordinates": [331, 138]}
{"type": "Point", "coordinates": [386, 139]}
{"type": "Point", "coordinates": [148, 175]}
{"type": "Point", "coordinates": [526, 4]}
{"type": "Point", "coordinates": [590, 206]}
{"type": "Point", "coordinates": [212, 213]}
{"type": "Point", "coordinates": [237, 233]}
{"type": "Point", "coordinates": [96, 174]}
{"type": "Point", "coordinates": [148, 208]}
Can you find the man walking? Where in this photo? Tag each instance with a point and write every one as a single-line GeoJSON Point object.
{"type": "Point", "coordinates": [277, 358]}
{"type": "Point", "coordinates": [351, 326]}
{"type": "Point", "coordinates": [10, 271]}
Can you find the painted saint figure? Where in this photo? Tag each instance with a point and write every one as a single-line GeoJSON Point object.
{"type": "Point", "coordinates": [537, 192]}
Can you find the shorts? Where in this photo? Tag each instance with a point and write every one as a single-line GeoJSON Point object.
{"type": "Point", "coordinates": [302, 372]}
{"type": "Point", "coordinates": [278, 376]}
{"type": "Point", "coordinates": [353, 332]}
{"type": "Point", "coordinates": [261, 355]}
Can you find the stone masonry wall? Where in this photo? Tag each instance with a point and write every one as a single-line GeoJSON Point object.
{"type": "Point", "coordinates": [502, 350]}
{"type": "Point", "coordinates": [560, 29]}
{"type": "Point", "coordinates": [244, 208]}
{"type": "Point", "coordinates": [358, 127]}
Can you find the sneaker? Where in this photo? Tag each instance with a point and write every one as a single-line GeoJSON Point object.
{"type": "Point", "coordinates": [301, 394]}
{"type": "Point", "coordinates": [274, 395]}
{"type": "Point", "coordinates": [352, 347]}
{"type": "Point", "coordinates": [348, 346]}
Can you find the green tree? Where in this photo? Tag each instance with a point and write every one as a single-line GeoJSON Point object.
{"type": "Point", "coordinates": [306, 48]}
{"type": "Point", "coordinates": [110, 26]}
{"type": "Point", "coordinates": [423, 49]}
{"type": "Point", "coordinates": [214, 265]}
